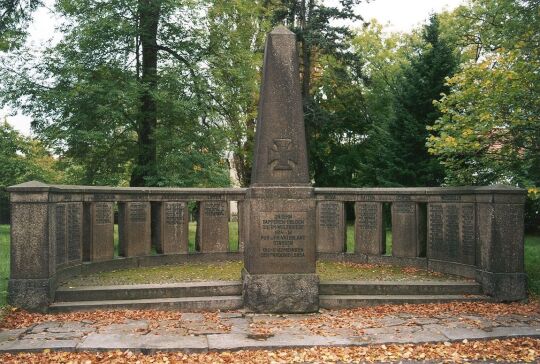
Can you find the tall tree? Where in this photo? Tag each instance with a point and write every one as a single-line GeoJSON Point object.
{"type": "Point", "coordinates": [422, 82]}
{"type": "Point", "coordinates": [127, 76]}
{"type": "Point", "coordinates": [489, 130]}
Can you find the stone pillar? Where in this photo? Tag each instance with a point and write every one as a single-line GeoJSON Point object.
{"type": "Point", "coordinates": [98, 237]}
{"type": "Point", "coordinates": [213, 227]}
{"type": "Point", "coordinates": [500, 216]}
{"type": "Point", "coordinates": [170, 227]}
{"type": "Point", "coordinates": [32, 250]}
{"type": "Point", "coordinates": [280, 251]}
{"type": "Point", "coordinates": [370, 236]}
{"type": "Point", "coordinates": [331, 227]}
{"type": "Point", "coordinates": [408, 230]}
{"type": "Point", "coordinates": [134, 221]}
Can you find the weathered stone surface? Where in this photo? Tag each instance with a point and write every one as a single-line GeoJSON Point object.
{"type": "Point", "coordinates": [30, 294]}
{"type": "Point", "coordinates": [277, 293]}
{"type": "Point", "coordinates": [369, 228]}
{"type": "Point", "coordinates": [331, 227]}
{"type": "Point", "coordinates": [280, 156]}
{"type": "Point", "coordinates": [408, 229]}
{"type": "Point", "coordinates": [150, 343]}
{"type": "Point", "coordinates": [505, 287]}
{"type": "Point", "coordinates": [29, 235]}
{"type": "Point", "coordinates": [170, 227]}
{"type": "Point", "coordinates": [98, 237]}
{"type": "Point", "coordinates": [241, 341]}
{"type": "Point", "coordinates": [452, 231]}
{"type": "Point", "coordinates": [281, 236]}
{"type": "Point", "coordinates": [134, 221]}
{"type": "Point", "coordinates": [213, 227]}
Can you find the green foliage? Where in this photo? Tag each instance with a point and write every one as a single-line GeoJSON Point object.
{"type": "Point", "coordinates": [22, 159]}
{"type": "Point", "coordinates": [14, 18]}
{"type": "Point", "coordinates": [422, 81]}
{"type": "Point", "coordinates": [4, 263]}
{"type": "Point", "coordinates": [84, 95]}
{"type": "Point", "coordinates": [489, 130]}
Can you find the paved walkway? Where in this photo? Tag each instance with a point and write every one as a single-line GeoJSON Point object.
{"type": "Point", "coordinates": [198, 332]}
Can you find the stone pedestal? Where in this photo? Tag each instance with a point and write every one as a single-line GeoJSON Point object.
{"type": "Point", "coordinates": [280, 256]}
{"type": "Point", "coordinates": [134, 229]}
{"type": "Point", "coordinates": [281, 293]}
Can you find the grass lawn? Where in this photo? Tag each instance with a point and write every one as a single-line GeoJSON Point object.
{"type": "Point", "coordinates": [4, 262]}
{"type": "Point", "coordinates": [231, 271]}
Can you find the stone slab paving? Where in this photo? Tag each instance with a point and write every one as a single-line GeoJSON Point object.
{"type": "Point", "coordinates": [196, 332]}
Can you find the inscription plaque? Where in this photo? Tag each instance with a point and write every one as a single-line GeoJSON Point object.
{"type": "Point", "coordinates": [134, 229]}
{"type": "Point", "coordinates": [369, 227]}
{"type": "Point", "coordinates": [451, 231]}
{"type": "Point", "coordinates": [330, 227]}
{"type": "Point", "coordinates": [408, 230]}
{"type": "Point", "coordinates": [468, 234]}
{"type": "Point", "coordinates": [137, 212]}
{"type": "Point", "coordinates": [213, 227]}
{"type": "Point", "coordinates": [103, 213]}
{"type": "Point", "coordinates": [282, 234]}
{"type": "Point", "coordinates": [74, 222]}
{"type": "Point", "coordinates": [60, 231]}
{"type": "Point", "coordinates": [170, 227]}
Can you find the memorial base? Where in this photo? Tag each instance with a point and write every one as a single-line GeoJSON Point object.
{"type": "Point", "coordinates": [504, 287]}
{"type": "Point", "coordinates": [281, 293]}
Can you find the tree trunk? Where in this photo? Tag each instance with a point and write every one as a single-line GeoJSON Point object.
{"type": "Point", "coordinates": [145, 167]}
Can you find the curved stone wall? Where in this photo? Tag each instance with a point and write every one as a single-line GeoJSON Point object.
{"type": "Point", "coordinates": [61, 231]}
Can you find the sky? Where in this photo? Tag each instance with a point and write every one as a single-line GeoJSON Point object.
{"type": "Point", "coordinates": [396, 15]}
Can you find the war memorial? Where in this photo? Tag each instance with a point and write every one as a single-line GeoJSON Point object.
{"type": "Point", "coordinates": [285, 226]}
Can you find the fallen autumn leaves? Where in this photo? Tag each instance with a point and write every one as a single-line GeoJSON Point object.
{"type": "Point", "coordinates": [512, 350]}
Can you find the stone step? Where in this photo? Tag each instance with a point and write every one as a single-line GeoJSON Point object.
{"type": "Point", "coordinates": [183, 304]}
{"type": "Point", "coordinates": [351, 301]}
{"type": "Point", "coordinates": [399, 288]}
{"type": "Point", "coordinates": [149, 291]}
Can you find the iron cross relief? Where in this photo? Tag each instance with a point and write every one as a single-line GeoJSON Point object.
{"type": "Point", "coordinates": [283, 151]}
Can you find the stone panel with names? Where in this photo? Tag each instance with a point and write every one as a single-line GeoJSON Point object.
{"type": "Point", "coordinates": [170, 227]}
{"type": "Point", "coordinates": [98, 237]}
{"type": "Point", "coordinates": [74, 231]}
{"type": "Point", "coordinates": [468, 234]}
{"type": "Point", "coordinates": [134, 229]}
{"type": "Point", "coordinates": [452, 234]}
{"type": "Point", "coordinates": [369, 228]}
{"type": "Point", "coordinates": [60, 233]}
{"type": "Point", "coordinates": [213, 226]}
{"type": "Point", "coordinates": [331, 234]}
{"type": "Point", "coordinates": [435, 230]}
{"type": "Point", "coordinates": [406, 230]}
{"type": "Point", "coordinates": [451, 231]}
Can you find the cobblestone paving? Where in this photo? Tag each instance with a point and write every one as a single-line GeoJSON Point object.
{"type": "Point", "coordinates": [197, 332]}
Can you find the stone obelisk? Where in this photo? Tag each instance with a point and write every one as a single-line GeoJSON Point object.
{"type": "Point", "coordinates": [280, 252]}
